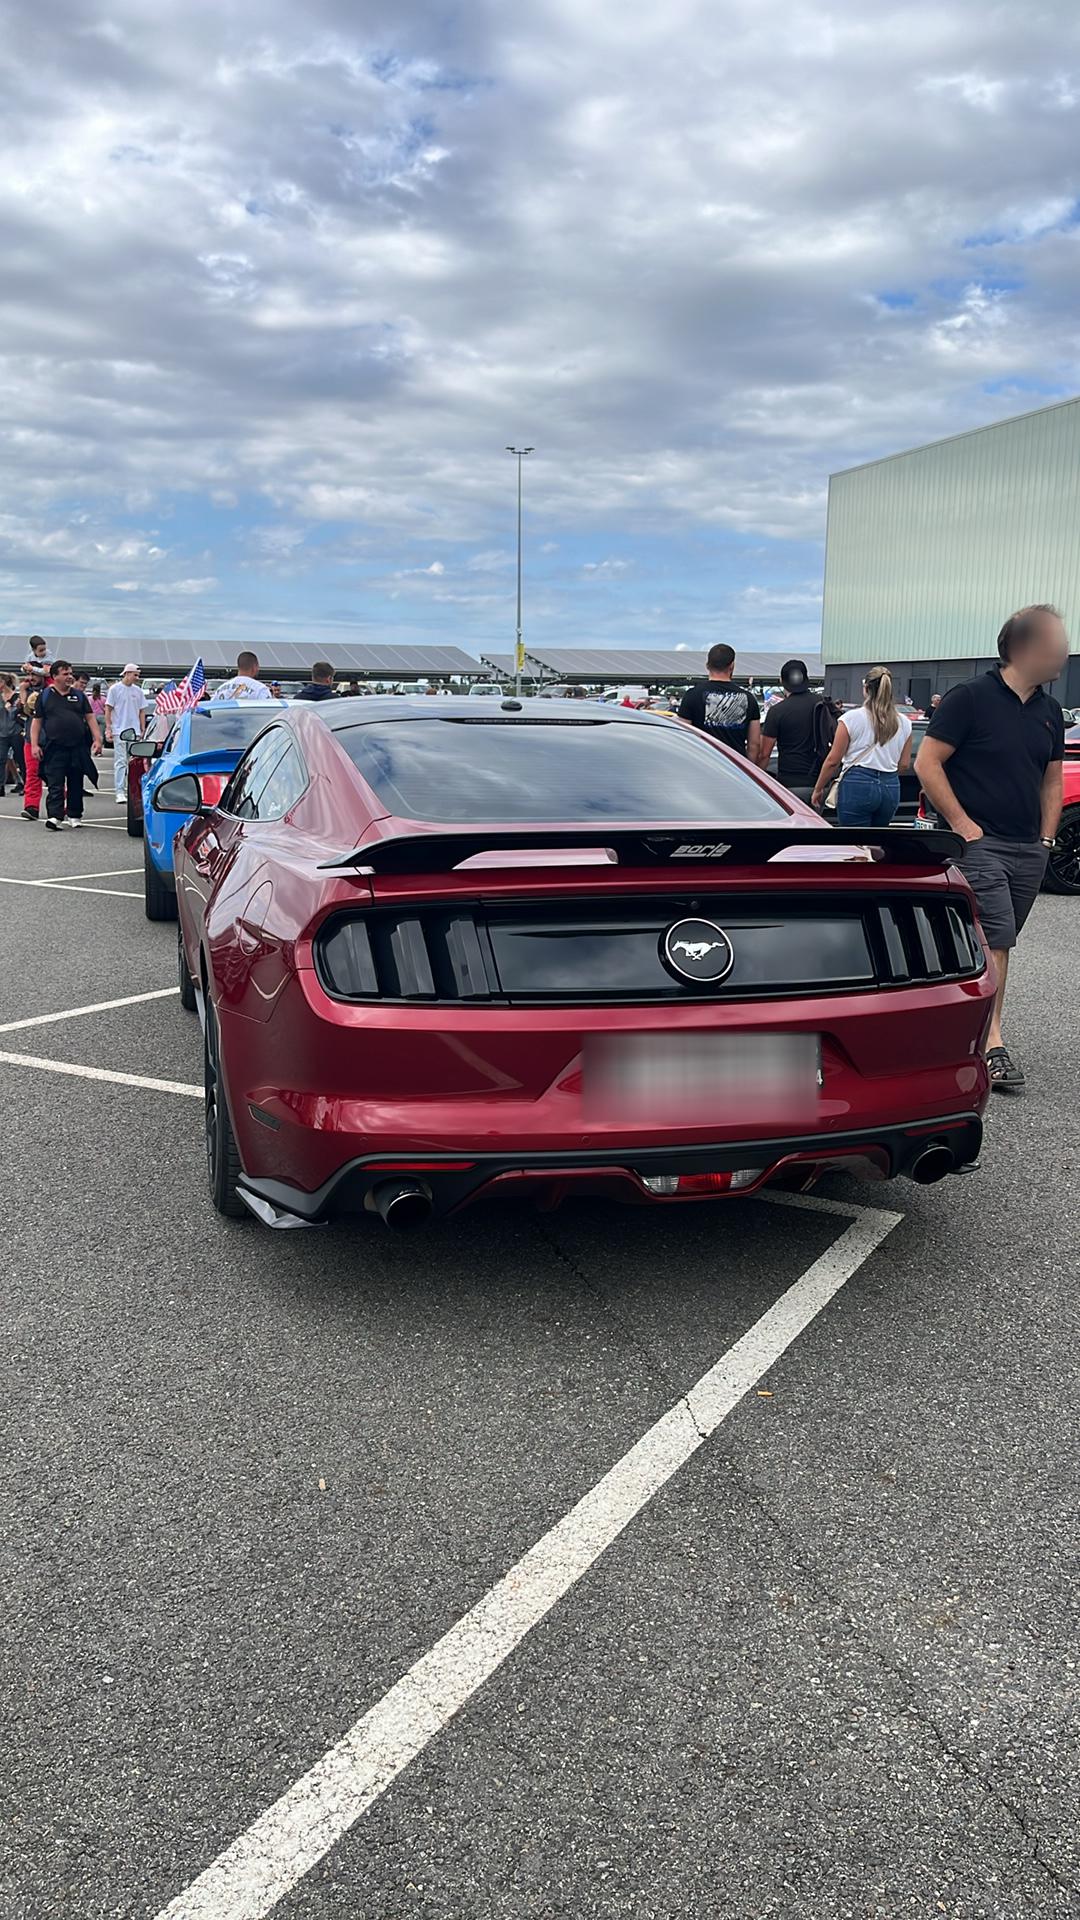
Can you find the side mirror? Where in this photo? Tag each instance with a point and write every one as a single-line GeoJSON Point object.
{"type": "Point", "coordinates": [181, 794]}
{"type": "Point", "coordinates": [128, 735]}
{"type": "Point", "coordinates": [141, 749]}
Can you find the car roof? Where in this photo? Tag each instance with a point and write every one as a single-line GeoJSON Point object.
{"type": "Point", "coordinates": [236, 706]}
{"type": "Point", "coordinates": [369, 709]}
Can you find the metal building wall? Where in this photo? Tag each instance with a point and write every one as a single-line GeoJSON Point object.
{"type": "Point", "coordinates": [928, 552]}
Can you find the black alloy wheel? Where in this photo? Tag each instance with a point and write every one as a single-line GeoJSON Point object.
{"type": "Point", "coordinates": [1063, 866]}
{"type": "Point", "coordinates": [222, 1158]}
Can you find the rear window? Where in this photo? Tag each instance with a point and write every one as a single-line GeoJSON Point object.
{"type": "Point", "coordinates": [475, 772]}
{"type": "Point", "coordinates": [236, 727]}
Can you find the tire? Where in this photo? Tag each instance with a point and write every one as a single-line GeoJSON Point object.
{"type": "Point", "coordinates": [158, 899]}
{"type": "Point", "coordinates": [1063, 866]}
{"type": "Point", "coordinates": [187, 984]}
{"type": "Point", "coordinates": [222, 1159]}
{"type": "Point", "coordinates": [134, 827]}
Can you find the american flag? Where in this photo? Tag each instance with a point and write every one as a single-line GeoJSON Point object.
{"type": "Point", "coordinates": [177, 699]}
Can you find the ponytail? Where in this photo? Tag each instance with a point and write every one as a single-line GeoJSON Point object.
{"type": "Point", "coordinates": [880, 705]}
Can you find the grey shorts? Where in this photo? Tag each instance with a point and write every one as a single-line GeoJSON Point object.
{"type": "Point", "coordinates": [1005, 877]}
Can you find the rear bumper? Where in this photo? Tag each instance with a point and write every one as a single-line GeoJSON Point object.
{"type": "Point", "coordinates": [457, 1180]}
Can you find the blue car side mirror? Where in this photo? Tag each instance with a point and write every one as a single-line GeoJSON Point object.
{"type": "Point", "coordinates": [181, 794]}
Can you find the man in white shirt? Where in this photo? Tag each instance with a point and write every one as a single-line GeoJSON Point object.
{"type": "Point", "coordinates": [125, 704]}
{"type": "Point", "coordinates": [244, 684]}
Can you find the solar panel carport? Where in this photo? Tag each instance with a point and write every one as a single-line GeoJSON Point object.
{"type": "Point", "coordinates": [633, 666]}
{"type": "Point", "coordinates": [278, 659]}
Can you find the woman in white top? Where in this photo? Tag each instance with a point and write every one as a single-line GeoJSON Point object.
{"type": "Point", "coordinates": [873, 746]}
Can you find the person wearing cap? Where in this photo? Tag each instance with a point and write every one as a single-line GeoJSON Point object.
{"type": "Point", "coordinates": [801, 728]}
{"type": "Point", "coordinates": [125, 704]}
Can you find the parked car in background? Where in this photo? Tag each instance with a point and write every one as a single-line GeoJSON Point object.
{"type": "Point", "coordinates": [444, 953]}
{"type": "Point", "coordinates": [1063, 866]}
{"type": "Point", "coordinates": [207, 740]}
{"type": "Point", "coordinates": [910, 791]}
{"type": "Point", "coordinates": [140, 751]}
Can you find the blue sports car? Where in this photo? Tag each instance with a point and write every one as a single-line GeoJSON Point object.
{"type": "Point", "coordinates": [207, 740]}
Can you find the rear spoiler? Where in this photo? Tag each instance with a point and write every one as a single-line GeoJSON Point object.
{"type": "Point", "coordinates": [695, 845]}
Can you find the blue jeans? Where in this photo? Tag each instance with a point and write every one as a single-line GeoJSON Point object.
{"type": "Point", "coordinates": [867, 798]}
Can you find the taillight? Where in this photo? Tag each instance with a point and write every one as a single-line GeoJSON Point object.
{"type": "Point", "coordinates": [212, 786]}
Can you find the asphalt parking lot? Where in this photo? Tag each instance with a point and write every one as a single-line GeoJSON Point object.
{"type": "Point", "coordinates": [805, 1646]}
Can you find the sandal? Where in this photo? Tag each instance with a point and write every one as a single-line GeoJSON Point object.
{"type": "Point", "coordinates": [1005, 1075]}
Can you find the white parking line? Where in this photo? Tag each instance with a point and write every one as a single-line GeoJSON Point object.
{"type": "Point", "coordinates": [78, 1013]}
{"type": "Point", "coordinates": [100, 1073]}
{"type": "Point", "coordinates": [107, 873]}
{"type": "Point", "coordinates": [95, 826]}
{"type": "Point", "coordinates": [68, 886]}
{"type": "Point", "coordinates": [293, 1835]}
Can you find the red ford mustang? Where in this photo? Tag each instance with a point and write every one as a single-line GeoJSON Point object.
{"type": "Point", "coordinates": [451, 949]}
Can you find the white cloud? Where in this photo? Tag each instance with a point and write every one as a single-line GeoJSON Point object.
{"type": "Point", "coordinates": [768, 597]}
{"type": "Point", "coordinates": [167, 588]}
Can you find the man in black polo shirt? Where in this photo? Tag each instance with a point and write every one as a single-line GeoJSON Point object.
{"type": "Point", "coordinates": [991, 764]}
{"type": "Point", "coordinates": [62, 719]}
{"type": "Point", "coordinates": [801, 727]}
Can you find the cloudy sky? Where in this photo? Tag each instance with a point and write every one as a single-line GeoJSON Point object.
{"type": "Point", "coordinates": [278, 283]}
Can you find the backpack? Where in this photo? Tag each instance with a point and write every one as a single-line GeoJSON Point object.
{"type": "Point", "coordinates": [823, 732]}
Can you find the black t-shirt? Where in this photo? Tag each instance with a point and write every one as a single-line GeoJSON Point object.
{"type": "Point", "coordinates": [798, 742]}
{"type": "Point", "coordinates": [63, 717]}
{"type": "Point", "coordinates": [316, 690]}
{"type": "Point", "coordinates": [721, 710]}
{"type": "Point", "coordinates": [1003, 746]}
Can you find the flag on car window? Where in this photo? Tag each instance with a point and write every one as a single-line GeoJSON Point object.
{"type": "Point", "coordinates": [177, 699]}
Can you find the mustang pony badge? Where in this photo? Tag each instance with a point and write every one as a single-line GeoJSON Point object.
{"type": "Point", "coordinates": [698, 951]}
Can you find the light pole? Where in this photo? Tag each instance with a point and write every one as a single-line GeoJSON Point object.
{"type": "Point", "coordinates": [519, 650]}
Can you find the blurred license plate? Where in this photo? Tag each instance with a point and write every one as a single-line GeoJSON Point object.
{"type": "Point", "coordinates": [694, 1079]}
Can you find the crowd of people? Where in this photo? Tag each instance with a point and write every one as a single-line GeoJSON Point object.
{"type": "Point", "coordinates": [54, 725]}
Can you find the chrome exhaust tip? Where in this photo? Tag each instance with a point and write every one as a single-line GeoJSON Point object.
{"type": "Point", "coordinates": [403, 1204]}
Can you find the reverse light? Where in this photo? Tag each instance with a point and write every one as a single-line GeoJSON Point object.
{"type": "Point", "coordinates": [673, 1183]}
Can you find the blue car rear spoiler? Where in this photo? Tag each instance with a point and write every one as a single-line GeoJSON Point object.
{"type": "Point", "coordinates": [693, 846]}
